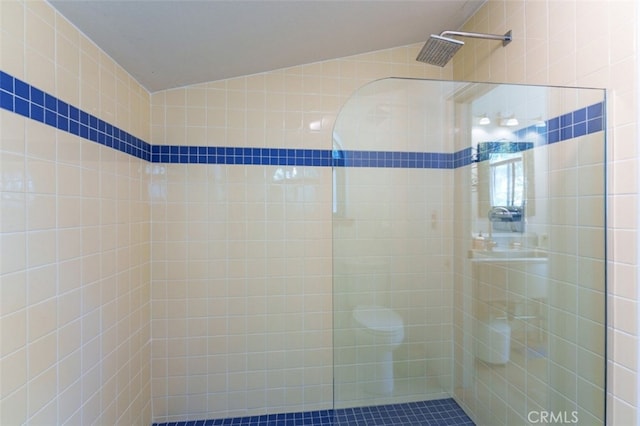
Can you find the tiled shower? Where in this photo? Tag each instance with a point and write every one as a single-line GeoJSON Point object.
{"type": "Point", "coordinates": [511, 329]}
{"type": "Point", "coordinates": [129, 240]}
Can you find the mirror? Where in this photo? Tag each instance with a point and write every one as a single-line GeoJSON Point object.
{"type": "Point", "coordinates": [504, 131]}
{"type": "Point", "coordinates": [505, 179]}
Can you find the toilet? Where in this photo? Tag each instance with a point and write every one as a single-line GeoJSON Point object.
{"type": "Point", "coordinates": [382, 330]}
{"type": "Point", "coordinates": [375, 330]}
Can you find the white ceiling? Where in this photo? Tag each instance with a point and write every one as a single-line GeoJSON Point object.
{"type": "Point", "coordinates": [166, 44]}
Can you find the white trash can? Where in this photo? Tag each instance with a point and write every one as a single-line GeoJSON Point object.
{"type": "Point", "coordinates": [494, 341]}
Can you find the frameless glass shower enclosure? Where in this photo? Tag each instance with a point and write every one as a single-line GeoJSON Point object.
{"type": "Point", "coordinates": [469, 249]}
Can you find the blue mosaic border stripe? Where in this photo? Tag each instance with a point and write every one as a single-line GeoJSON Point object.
{"type": "Point", "coordinates": [307, 157]}
{"type": "Point", "coordinates": [463, 158]}
{"type": "Point", "coordinates": [21, 98]}
{"type": "Point", "coordinates": [246, 156]}
{"type": "Point", "coordinates": [31, 102]}
{"type": "Point", "coordinates": [393, 159]}
{"type": "Point", "coordinates": [574, 124]}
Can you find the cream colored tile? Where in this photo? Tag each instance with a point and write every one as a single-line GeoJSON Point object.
{"type": "Point", "coordinates": [41, 284]}
{"type": "Point", "coordinates": [13, 212]}
{"type": "Point", "coordinates": [175, 116]}
{"type": "Point", "coordinates": [14, 372]}
{"type": "Point", "coordinates": [13, 13]}
{"type": "Point", "coordinates": [13, 56]}
{"type": "Point", "coordinates": [68, 402]}
{"type": "Point", "coordinates": [40, 70]}
{"type": "Point", "coordinates": [176, 97]}
{"type": "Point", "coordinates": [42, 319]}
{"type": "Point", "coordinates": [40, 390]}
{"type": "Point", "coordinates": [41, 212]}
{"type": "Point", "coordinates": [42, 355]}
{"type": "Point", "coordinates": [39, 33]}
{"type": "Point", "coordinates": [69, 307]}
{"type": "Point", "coordinates": [622, 380]}
{"type": "Point", "coordinates": [14, 255]}
{"type": "Point", "coordinates": [67, 51]}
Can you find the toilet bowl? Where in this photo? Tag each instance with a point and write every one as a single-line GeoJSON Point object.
{"type": "Point", "coordinates": [379, 331]}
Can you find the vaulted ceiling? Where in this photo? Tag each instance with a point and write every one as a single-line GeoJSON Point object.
{"type": "Point", "coordinates": [166, 44]}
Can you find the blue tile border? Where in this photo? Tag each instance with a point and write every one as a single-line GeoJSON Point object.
{"type": "Point", "coordinates": [21, 98]}
{"type": "Point", "coordinates": [395, 159]}
{"type": "Point", "coordinates": [574, 124]}
{"type": "Point", "coordinates": [246, 156]}
{"type": "Point", "coordinates": [31, 102]}
{"type": "Point", "coordinates": [435, 412]}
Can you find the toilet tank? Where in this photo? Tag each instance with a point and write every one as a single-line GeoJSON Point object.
{"type": "Point", "coordinates": [363, 281]}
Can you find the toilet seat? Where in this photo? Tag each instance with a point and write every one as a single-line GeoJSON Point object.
{"type": "Point", "coordinates": [378, 319]}
{"type": "Point", "coordinates": [380, 330]}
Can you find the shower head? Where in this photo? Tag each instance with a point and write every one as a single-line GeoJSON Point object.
{"type": "Point", "coordinates": [439, 50]}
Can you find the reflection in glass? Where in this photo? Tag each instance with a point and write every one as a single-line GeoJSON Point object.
{"type": "Point", "coordinates": [439, 288]}
{"type": "Point", "coordinates": [507, 179]}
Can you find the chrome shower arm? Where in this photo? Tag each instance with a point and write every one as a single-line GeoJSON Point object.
{"type": "Point", "coordinates": [438, 50]}
{"type": "Point", "coordinates": [506, 38]}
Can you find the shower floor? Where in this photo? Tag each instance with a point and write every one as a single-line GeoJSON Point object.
{"type": "Point", "coordinates": [428, 413]}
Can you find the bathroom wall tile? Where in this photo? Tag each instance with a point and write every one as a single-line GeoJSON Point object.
{"type": "Point", "coordinates": [13, 56]}
{"type": "Point", "coordinates": [39, 390]}
{"type": "Point", "coordinates": [58, 71]}
{"type": "Point", "coordinates": [13, 247]}
{"type": "Point", "coordinates": [14, 407]}
{"type": "Point", "coordinates": [67, 46]}
{"type": "Point", "coordinates": [624, 275]}
{"type": "Point", "coordinates": [13, 18]}
{"type": "Point", "coordinates": [353, 72]}
{"type": "Point", "coordinates": [619, 178]}
{"type": "Point", "coordinates": [14, 334]}
{"type": "Point", "coordinates": [567, 23]}
{"type": "Point", "coordinates": [590, 400]}
{"type": "Point", "coordinates": [14, 372]}
{"type": "Point", "coordinates": [622, 380]}
{"type": "Point", "coordinates": [40, 70]}
{"type": "Point", "coordinates": [624, 342]}
{"type": "Point", "coordinates": [39, 32]}
{"type": "Point", "coordinates": [42, 354]}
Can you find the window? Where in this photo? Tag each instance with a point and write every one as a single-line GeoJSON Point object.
{"type": "Point", "coordinates": [507, 179]}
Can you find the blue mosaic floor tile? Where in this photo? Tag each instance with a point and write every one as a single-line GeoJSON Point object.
{"type": "Point", "coordinates": [442, 412]}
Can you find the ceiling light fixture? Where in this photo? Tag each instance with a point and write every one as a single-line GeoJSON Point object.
{"type": "Point", "coordinates": [510, 121]}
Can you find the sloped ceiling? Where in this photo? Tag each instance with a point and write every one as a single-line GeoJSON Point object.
{"type": "Point", "coordinates": [167, 44]}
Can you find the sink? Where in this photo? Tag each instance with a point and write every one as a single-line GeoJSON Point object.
{"type": "Point", "coordinates": [530, 282]}
{"type": "Point", "coordinates": [508, 255]}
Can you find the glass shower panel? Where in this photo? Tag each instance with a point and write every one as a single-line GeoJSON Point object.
{"type": "Point", "coordinates": [393, 244]}
{"type": "Point", "coordinates": [530, 256]}
{"type": "Point", "coordinates": [469, 259]}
